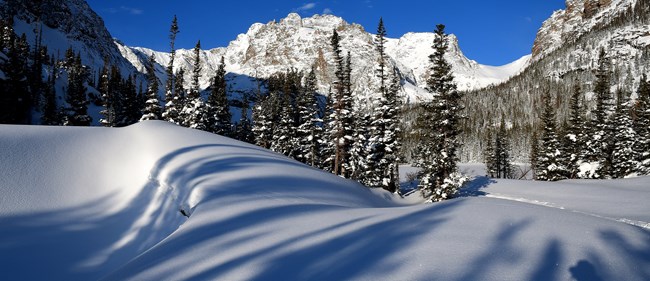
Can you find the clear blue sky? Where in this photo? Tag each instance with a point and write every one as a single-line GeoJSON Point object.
{"type": "Point", "coordinates": [490, 32]}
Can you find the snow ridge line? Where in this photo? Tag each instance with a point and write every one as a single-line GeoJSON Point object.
{"type": "Point", "coordinates": [642, 224]}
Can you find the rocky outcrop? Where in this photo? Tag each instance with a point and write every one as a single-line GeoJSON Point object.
{"type": "Point", "coordinates": [579, 17]}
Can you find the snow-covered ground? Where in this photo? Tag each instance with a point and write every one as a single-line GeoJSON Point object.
{"type": "Point", "coordinates": [98, 203]}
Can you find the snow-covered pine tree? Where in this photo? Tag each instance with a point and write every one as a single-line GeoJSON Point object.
{"type": "Point", "coordinates": [364, 157]}
{"type": "Point", "coordinates": [624, 158]}
{"type": "Point", "coordinates": [575, 137]}
{"type": "Point", "coordinates": [218, 108]}
{"type": "Point", "coordinates": [342, 123]}
{"type": "Point", "coordinates": [548, 167]}
{"type": "Point", "coordinates": [600, 143]}
{"type": "Point", "coordinates": [194, 114]}
{"type": "Point", "coordinates": [440, 124]}
{"type": "Point", "coordinates": [152, 110]}
{"type": "Point", "coordinates": [77, 110]}
{"type": "Point", "coordinates": [502, 160]}
{"type": "Point", "coordinates": [489, 157]}
{"type": "Point", "coordinates": [108, 98]}
{"type": "Point", "coordinates": [328, 146]}
{"type": "Point", "coordinates": [642, 126]}
{"type": "Point", "coordinates": [172, 107]}
{"type": "Point", "coordinates": [308, 132]}
{"type": "Point", "coordinates": [534, 154]}
{"type": "Point", "coordinates": [382, 143]}
{"type": "Point", "coordinates": [284, 135]}
{"type": "Point", "coordinates": [264, 119]}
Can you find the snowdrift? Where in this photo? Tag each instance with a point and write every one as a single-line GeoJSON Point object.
{"type": "Point", "coordinates": [97, 203]}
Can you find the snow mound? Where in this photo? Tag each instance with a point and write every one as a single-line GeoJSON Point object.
{"type": "Point", "coordinates": [102, 203]}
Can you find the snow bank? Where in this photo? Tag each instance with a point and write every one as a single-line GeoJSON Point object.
{"type": "Point", "coordinates": [91, 203]}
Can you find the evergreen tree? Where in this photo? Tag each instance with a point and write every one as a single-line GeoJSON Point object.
{"type": "Point", "coordinates": [308, 130]}
{"type": "Point", "coordinates": [440, 127]}
{"type": "Point", "coordinates": [77, 110]}
{"type": "Point", "coordinates": [328, 147]}
{"type": "Point", "coordinates": [489, 157]}
{"type": "Point", "coordinates": [575, 138]}
{"type": "Point", "coordinates": [243, 130]}
{"type": "Point", "coordinates": [107, 96]}
{"type": "Point", "coordinates": [15, 98]}
{"type": "Point", "coordinates": [600, 144]}
{"type": "Point", "coordinates": [264, 118]}
{"type": "Point", "coordinates": [50, 107]}
{"type": "Point", "coordinates": [172, 105]}
{"type": "Point", "coordinates": [548, 166]}
{"type": "Point", "coordinates": [152, 110]}
{"type": "Point", "coordinates": [624, 158]}
{"type": "Point", "coordinates": [218, 109]}
{"type": "Point", "coordinates": [194, 113]}
{"type": "Point", "coordinates": [284, 135]}
{"type": "Point", "coordinates": [642, 126]}
{"type": "Point", "coordinates": [342, 121]}
{"type": "Point", "coordinates": [502, 153]}
{"type": "Point", "coordinates": [534, 154]}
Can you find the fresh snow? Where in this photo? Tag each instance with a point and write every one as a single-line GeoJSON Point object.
{"type": "Point", "coordinates": [105, 203]}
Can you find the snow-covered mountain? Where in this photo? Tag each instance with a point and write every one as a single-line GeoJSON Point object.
{"type": "Point", "coordinates": [303, 43]}
{"type": "Point", "coordinates": [65, 24]}
{"type": "Point", "coordinates": [577, 19]}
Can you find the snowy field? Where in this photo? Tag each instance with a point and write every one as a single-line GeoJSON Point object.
{"type": "Point", "coordinates": [97, 203]}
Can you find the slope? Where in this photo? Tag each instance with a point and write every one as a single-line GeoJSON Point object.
{"type": "Point", "coordinates": [89, 203]}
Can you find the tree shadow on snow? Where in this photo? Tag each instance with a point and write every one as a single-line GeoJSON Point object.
{"type": "Point", "coordinates": [473, 188]}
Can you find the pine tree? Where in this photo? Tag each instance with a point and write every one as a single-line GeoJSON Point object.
{"type": "Point", "coordinates": [15, 100]}
{"type": "Point", "coordinates": [50, 107]}
{"type": "Point", "coordinates": [642, 126]}
{"type": "Point", "coordinates": [624, 158]}
{"type": "Point", "coordinates": [534, 154]}
{"type": "Point", "coordinates": [107, 97]}
{"type": "Point", "coordinates": [575, 138]}
{"type": "Point", "coordinates": [264, 120]}
{"type": "Point", "coordinates": [284, 135]}
{"type": "Point", "coordinates": [243, 130]}
{"type": "Point", "coordinates": [219, 116]}
{"type": "Point", "coordinates": [152, 110]}
{"type": "Point", "coordinates": [342, 122]}
{"type": "Point", "coordinates": [77, 110]}
{"type": "Point", "coordinates": [328, 147]}
{"type": "Point", "coordinates": [172, 105]}
{"type": "Point", "coordinates": [194, 113]}
{"type": "Point", "coordinates": [308, 130]}
{"type": "Point", "coordinates": [489, 157]}
{"type": "Point", "coordinates": [601, 142]}
{"type": "Point", "coordinates": [502, 153]}
{"type": "Point", "coordinates": [440, 127]}
{"type": "Point", "coordinates": [548, 166]}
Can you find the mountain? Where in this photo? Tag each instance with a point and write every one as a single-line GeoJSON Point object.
{"type": "Point", "coordinates": [565, 53]}
{"type": "Point", "coordinates": [86, 34]}
{"type": "Point", "coordinates": [302, 43]}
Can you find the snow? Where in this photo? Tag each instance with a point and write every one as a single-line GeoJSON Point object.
{"type": "Point", "coordinates": [104, 203]}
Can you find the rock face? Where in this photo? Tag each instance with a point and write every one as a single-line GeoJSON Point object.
{"type": "Point", "coordinates": [579, 18]}
{"type": "Point", "coordinates": [303, 43]}
{"type": "Point", "coordinates": [64, 24]}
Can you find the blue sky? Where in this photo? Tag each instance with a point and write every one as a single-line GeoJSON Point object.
{"type": "Point", "coordinates": [490, 32]}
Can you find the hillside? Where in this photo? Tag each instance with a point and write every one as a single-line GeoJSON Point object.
{"type": "Point", "coordinates": [105, 203]}
{"type": "Point", "coordinates": [565, 53]}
